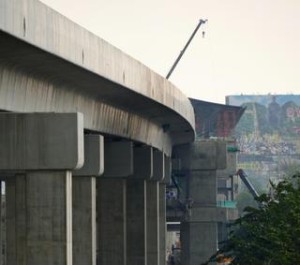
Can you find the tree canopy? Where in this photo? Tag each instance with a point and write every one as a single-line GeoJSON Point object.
{"type": "Point", "coordinates": [270, 234]}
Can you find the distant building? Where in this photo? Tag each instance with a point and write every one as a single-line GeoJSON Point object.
{"type": "Point", "coordinates": [268, 134]}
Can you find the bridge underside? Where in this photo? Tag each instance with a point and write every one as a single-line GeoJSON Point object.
{"type": "Point", "coordinates": [75, 198]}
{"type": "Point", "coordinates": [35, 81]}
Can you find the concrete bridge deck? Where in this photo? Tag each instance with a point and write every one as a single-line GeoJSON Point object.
{"type": "Point", "coordinates": [50, 64]}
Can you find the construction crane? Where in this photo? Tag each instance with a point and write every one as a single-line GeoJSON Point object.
{"type": "Point", "coordinates": [248, 184]}
{"type": "Point", "coordinates": [201, 21]}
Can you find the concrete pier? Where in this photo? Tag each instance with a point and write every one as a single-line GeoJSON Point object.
{"type": "Point", "coordinates": [84, 220]}
{"type": "Point", "coordinates": [84, 201]}
{"type": "Point", "coordinates": [153, 232]}
{"type": "Point", "coordinates": [45, 148]}
{"type": "Point", "coordinates": [111, 203]}
{"type": "Point", "coordinates": [39, 227]}
{"type": "Point", "coordinates": [162, 224]}
{"type": "Point", "coordinates": [199, 236]}
{"type": "Point", "coordinates": [111, 219]}
{"type": "Point", "coordinates": [136, 222]}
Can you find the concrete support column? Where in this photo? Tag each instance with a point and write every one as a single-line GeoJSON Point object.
{"type": "Point", "coordinates": [84, 220]}
{"type": "Point", "coordinates": [154, 244]}
{"type": "Point", "coordinates": [136, 222]}
{"type": "Point", "coordinates": [166, 177]}
{"type": "Point", "coordinates": [111, 203]}
{"type": "Point", "coordinates": [199, 241]}
{"type": "Point", "coordinates": [199, 236]}
{"type": "Point", "coordinates": [39, 218]}
{"type": "Point", "coordinates": [84, 201]}
{"type": "Point", "coordinates": [162, 224]}
{"type": "Point", "coordinates": [45, 147]}
{"type": "Point", "coordinates": [153, 232]}
{"type": "Point", "coordinates": [111, 217]}
{"type": "Point", "coordinates": [15, 219]}
{"type": "Point", "coordinates": [142, 248]}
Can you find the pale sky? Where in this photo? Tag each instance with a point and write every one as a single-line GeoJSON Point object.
{"type": "Point", "coordinates": [250, 46]}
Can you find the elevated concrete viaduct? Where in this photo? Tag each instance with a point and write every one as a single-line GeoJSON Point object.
{"type": "Point", "coordinates": [86, 136]}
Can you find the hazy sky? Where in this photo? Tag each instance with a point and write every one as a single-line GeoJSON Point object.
{"type": "Point", "coordinates": [250, 46]}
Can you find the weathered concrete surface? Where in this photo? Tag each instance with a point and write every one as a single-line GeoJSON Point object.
{"type": "Point", "coordinates": [199, 241]}
{"type": "Point", "coordinates": [117, 94]}
{"type": "Point", "coordinates": [39, 216]}
{"type": "Point", "coordinates": [168, 170]}
{"type": "Point", "coordinates": [162, 224]}
{"type": "Point", "coordinates": [118, 159]}
{"type": "Point", "coordinates": [153, 239]}
{"type": "Point", "coordinates": [93, 156]}
{"type": "Point", "coordinates": [111, 218]}
{"type": "Point", "coordinates": [201, 160]}
{"type": "Point", "coordinates": [15, 219]}
{"type": "Point", "coordinates": [38, 141]}
{"type": "Point", "coordinates": [136, 222]}
{"type": "Point", "coordinates": [84, 220]}
{"type": "Point", "coordinates": [201, 155]}
{"type": "Point", "coordinates": [158, 165]}
{"type": "Point", "coordinates": [230, 169]}
{"type": "Point", "coordinates": [210, 214]}
{"type": "Point", "coordinates": [203, 188]}
{"type": "Point", "coordinates": [143, 162]}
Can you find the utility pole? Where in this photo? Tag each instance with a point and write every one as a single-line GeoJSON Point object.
{"type": "Point", "coordinates": [201, 21]}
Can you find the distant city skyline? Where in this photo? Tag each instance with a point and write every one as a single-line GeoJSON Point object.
{"type": "Point", "coordinates": [249, 46]}
{"type": "Point", "coordinates": [238, 100]}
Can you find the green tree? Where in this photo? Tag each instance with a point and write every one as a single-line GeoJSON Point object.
{"type": "Point", "coordinates": [243, 200]}
{"type": "Point", "coordinates": [270, 234]}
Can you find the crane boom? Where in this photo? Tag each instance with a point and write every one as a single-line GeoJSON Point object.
{"type": "Point", "coordinates": [201, 21]}
{"type": "Point", "coordinates": [248, 184]}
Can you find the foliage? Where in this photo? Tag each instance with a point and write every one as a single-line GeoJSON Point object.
{"type": "Point", "coordinates": [269, 235]}
{"type": "Point", "coordinates": [243, 200]}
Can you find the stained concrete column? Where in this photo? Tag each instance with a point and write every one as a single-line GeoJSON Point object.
{"type": "Point", "coordinates": [162, 223]}
{"type": "Point", "coordinates": [12, 209]}
{"type": "Point", "coordinates": [152, 202]}
{"type": "Point", "coordinates": [153, 233]}
{"type": "Point", "coordinates": [199, 237]}
{"type": "Point", "coordinates": [111, 203]}
{"type": "Point", "coordinates": [136, 222]}
{"type": "Point", "coordinates": [137, 214]}
{"type": "Point", "coordinates": [84, 220]}
{"type": "Point", "coordinates": [162, 210]}
{"type": "Point", "coordinates": [39, 208]}
{"type": "Point", "coordinates": [84, 201]}
{"type": "Point", "coordinates": [156, 209]}
{"type": "Point", "coordinates": [39, 202]}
